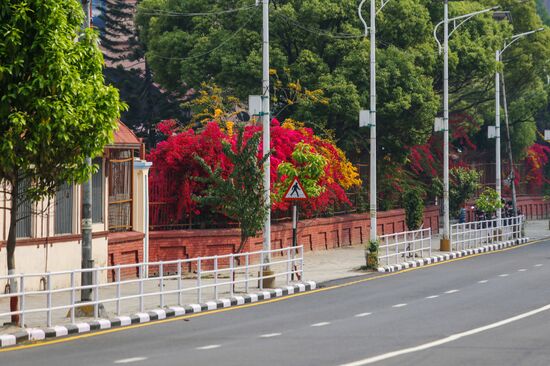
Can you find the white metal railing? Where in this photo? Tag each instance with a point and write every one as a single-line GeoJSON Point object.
{"type": "Point", "coordinates": [400, 247]}
{"type": "Point", "coordinates": [180, 282]}
{"type": "Point", "coordinates": [479, 233]}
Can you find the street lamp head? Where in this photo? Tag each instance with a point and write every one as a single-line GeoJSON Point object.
{"type": "Point", "coordinates": [502, 15]}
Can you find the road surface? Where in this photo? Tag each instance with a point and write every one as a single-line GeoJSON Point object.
{"type": "Point", "coordinates": [487, 310]}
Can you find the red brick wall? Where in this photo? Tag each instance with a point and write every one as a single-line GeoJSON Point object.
{"type": "Point", "coordinates": [313, 234]}
{"type": "Point", "coordinates": [125, 248]}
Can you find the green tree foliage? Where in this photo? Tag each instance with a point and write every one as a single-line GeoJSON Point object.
{"type": "Point", "coordinates": [128, 70]}
{"type": "Point", "coordinates": [308, 168]}
{"type": "Point", "coordinates": [55, 109]}
{"type": "Point", "coordinates": [489, 201]}
{"type": "Point", "coordinates": [414, 208]}
{"type": "Point", "coordinates": [463, 184]}
{"type": "Point", "coordinates": [321, 44]}
{"type": "Point", "coordinates": [238, 195]}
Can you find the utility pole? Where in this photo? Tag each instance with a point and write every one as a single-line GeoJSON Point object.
{"type": "Point", "coordinates": [86, 224]}
{"type": "Point", "coordinates": [266, 124]}
{"type": "Point", "coordinates": [371, 114]}
{"type": "Point", "coordinates": [498, 177]}
{"type": "Point", "coordinates": [372, 181]}
{"type": "Point", "coordinates": [445, 244]}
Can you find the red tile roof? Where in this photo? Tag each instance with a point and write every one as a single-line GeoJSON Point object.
{"type": "Point", "coordinates": [125, 136]}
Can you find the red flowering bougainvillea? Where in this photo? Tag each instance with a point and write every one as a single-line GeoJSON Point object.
{"type": "Point", "coordinates": [175, 166]}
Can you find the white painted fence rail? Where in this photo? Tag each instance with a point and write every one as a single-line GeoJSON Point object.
{"type": "Point", "coordinates": [479, 233]}
{"type": "Point", "coordinates": [180, 282]}
{"type": "Point", "coordinates": [401, 247]}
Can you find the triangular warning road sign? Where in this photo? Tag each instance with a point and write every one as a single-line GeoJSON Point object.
{"type": "Point", "coordinates": [295, 192]}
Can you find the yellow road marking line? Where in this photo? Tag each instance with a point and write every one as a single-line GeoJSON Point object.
{"type": "Point", "coordinates": [210, 312]}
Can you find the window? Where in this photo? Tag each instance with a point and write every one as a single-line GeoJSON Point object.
{"type": "Point", "coordinates": [63, 223]}
{"type": "Point", "coordinates": [121, 170]}
{"type": "Point", "coordinates": [23, 228]}
{"type": "Point", "coordinates": [97, 193]}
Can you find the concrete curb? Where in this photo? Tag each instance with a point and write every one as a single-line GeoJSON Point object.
{"type": "Point", "coordinates": [38, 334]}
{"type": "Point", "coordinates": [451, 255]}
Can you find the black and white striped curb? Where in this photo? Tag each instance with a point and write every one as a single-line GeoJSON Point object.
{"type": "Point", "coordinates": [36, 334]}
{"type": "Point", "coordinates": [451, 255]}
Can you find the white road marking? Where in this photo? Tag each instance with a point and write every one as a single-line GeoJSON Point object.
{"type": "Point", "coordinates": [504, 275]}
{"type": "Point", "coordinates": [129, 360]}
{"type": "Point", "coordinates": [270, 335]}
{"type": "Point", "coordinates": [362, 315]}
{"type": "Point", "coordinates": [538, 265]}
{"type": "Point", "coordinates": [451, 291]}
{"type": "Point", "coordinates": [449, 339]}
{"type": "Point", "coordinates": [322, 324]}
{"type": "Point", "coordinates": [212, 346]}
{"type": "Point", "coordinates": [432, 297]}
{"type": "Point", "coordinates": [522, 270]}
{"type": "Point", "coordinates": [483, 281]}
{"type": "Point", "coordinates": [399, 305]}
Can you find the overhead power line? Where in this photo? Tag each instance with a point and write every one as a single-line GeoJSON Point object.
{"type": "Point", "coordinates": [167, 13]}
{"type": "Point", "coordinates": [225, 41]}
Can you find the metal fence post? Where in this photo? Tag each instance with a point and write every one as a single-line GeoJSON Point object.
{"type": "Point", "coordinates": [73, 297]}
{"type": "Point", "coordinates": [288, 267]}
{"type": "Point", "coordinates": [117, 274]}
{"type": "Point", "coordinates": [216, 277]}
{"type": "Point", "coordinates": [96, 293]}
{"type": "Point", "coordinates": [179, 284]}
{"type": "Point", "coordinates": [49, 299]}
{"type": "Point", "coordinates": [141, 305]}
{"type": "Point", "coordinates": [231, 275]}
{"type": "Point", "coordinates": [388, 251]}
{"type": "Point", "coordinates": [199, 280]}
{"type": "Point", "coordinates": [246, 264]}
{"type": "Point", "coordinates": [22, 292]}
{"type": "Point", "coordinates": [261, 284]}
{"type": "Point", "coordinates": [302, 262]}
{"type": "Point", "coordinates": [161, 283]}
{"type": "Point", "coordinates": [430, 243]}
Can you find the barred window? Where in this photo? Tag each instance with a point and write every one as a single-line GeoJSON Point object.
{"type": "Point", "coordinates": [24, 212]}
{"type": "Point", "coordinates": [97, 193]}
{"type": "Point", "coordinates": [63, 223]}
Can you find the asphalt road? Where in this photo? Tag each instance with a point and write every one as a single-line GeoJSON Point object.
{"type": "Point", "coordinates": [398, 319]}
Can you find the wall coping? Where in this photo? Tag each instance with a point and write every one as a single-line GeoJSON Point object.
{"type": "Point", "coordinates": [124, 237]}
{"type": "Point", "coordinates": [57, 239]}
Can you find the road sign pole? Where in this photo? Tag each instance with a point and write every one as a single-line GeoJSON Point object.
{"type": "Point", "coordinates": [294, 229]}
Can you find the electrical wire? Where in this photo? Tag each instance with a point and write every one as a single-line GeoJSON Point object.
{"type": "Point", "coordinates": [167, 13]}
{"type": "Point", "coordinates": [320, 32]}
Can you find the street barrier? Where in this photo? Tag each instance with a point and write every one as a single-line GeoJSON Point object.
{"type": "Point", "coordinates": [475, 234]}
{"type": "Point", "coordinates": [176, 282]}
{"type": "Point", "coordinates": [401, 247]}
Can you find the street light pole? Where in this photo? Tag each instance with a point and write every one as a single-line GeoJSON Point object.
{"type": "Point", "coordinates": [86, 216]}
{"type": "Point", "coordinates": [445, 242]}
{"type": "Point", "coordinates": [498, 179]}
{"type": "Point", "coordinates": [372, 177]}
{"type": "Point", "coordinates": [266, 133]}
{"type": "Point", "coordinates": [371, 123]}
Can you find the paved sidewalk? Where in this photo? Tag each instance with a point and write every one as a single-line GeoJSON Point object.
{"type": "Point", "coordinates": [319, 266]}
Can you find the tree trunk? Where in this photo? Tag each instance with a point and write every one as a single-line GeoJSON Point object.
{"type": "Point", "coordinates": [12, 240]}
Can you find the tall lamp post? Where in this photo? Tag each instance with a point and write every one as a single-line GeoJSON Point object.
{"type": "Point", "coordinates": [498, 178]}
{"type": "Point", "coordinates": [86, 222]}
{"type": "Point", "coordinates": [368, 118]}
{"type": "Point", "coordinates": [266, 135]}
{"type": "Point", "coordinates": [445, 244]}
